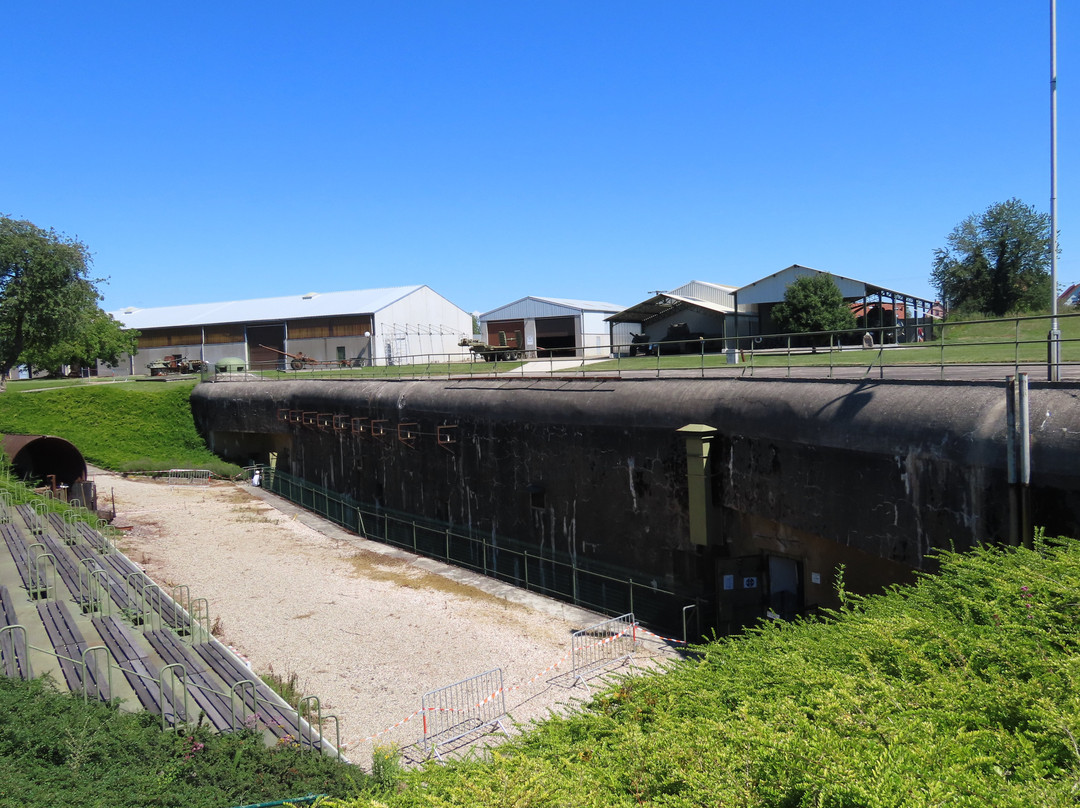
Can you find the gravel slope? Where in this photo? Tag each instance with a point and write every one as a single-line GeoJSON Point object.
{"type": "Point", "coordinates": [366, 627]}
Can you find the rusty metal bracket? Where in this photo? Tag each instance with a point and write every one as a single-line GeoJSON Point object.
{"type": "Point", "coordinates": [283, 414]}
{"type": "Point", "coordinates": [408, 433]}
{"type": "Point", "coordinates": [341, 422]}
{"type": "Point", "coordinates": [296, 416]}
{"type": "Point", "coordinates": [310, 418]}
{"type": "Point", "coordinates": [360, 426]}
{"type": "Point", "coordinates": [325, 420]}
{"type": "Point", "coordinates": [378, 427]}
{"type": "Point", "coordinates": [446, 435]}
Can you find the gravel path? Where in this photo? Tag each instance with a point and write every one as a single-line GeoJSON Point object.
{"type": "Point", "coordinates": [366, 627]}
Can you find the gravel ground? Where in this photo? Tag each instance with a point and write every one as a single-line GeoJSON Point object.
{"type": "Point", "coordinates": [366, 627]}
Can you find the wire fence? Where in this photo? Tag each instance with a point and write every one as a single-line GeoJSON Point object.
{"type": "Point", "coordinates": [925, 349]}
{"type": "Point", "coordinates": [596, 586]}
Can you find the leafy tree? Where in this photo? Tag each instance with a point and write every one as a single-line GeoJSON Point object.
{"type": "Point", "coordinates": [49, 312]}
{"type": "Point", "coordinates": [813, 303]}
{"type": "Point", "coordinates": [996, 263]}
{"type": "Point", "coordinates": [97, 336]}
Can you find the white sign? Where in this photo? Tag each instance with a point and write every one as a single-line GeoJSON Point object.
{"type": "Point", "coordinates": [729, 582]}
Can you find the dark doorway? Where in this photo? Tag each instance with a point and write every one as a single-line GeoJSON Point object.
{"type": "Point", "coordinates": [263, 344]}
{"type": "Point", "coordinates": [556, 336]}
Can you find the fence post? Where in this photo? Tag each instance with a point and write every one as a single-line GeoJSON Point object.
{"type": "Point", "coordinates": [526, 569]}
{"type": "Point", "coordinates": [414, 535]}
{"type": "Point", "coordinates": [631, 580]}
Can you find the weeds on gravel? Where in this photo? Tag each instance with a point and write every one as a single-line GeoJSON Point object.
{"type": "Point", "coordinates": [287, 686]}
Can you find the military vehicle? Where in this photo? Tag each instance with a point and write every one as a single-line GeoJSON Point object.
{"type": "Point", "coordinates": [176, 363]}
{"type": "Point", "coordinates": [495, 353]}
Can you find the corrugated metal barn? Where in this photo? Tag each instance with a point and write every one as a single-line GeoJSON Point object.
{"type": "Point", "coordinates": [548, 326]}
{"type": "Point", "coordinates": [874, 306]}
{"type": "Point", "coordinates": [706, 309]}
{"type": "Point", "coordinates": [371, 326]}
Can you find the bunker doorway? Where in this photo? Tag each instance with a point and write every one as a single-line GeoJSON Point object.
{"type": "Point", "coordinates": [756, 586]}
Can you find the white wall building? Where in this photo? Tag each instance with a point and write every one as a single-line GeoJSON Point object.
{"type": "Point", "coordinates": [396, 325]}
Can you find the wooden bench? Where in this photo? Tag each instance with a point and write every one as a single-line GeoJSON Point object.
{"type": "Point", "coordinates": [212, 699]}
{"type": "Point", "coordinates": [31, 519]}
{"type": "Point", "coordinates": [74, 577]}
{"type": "Point", "coordinates": [68, 644]}
{"type": "Point", "coordinates": [281, 721]}
{"type": "Point", "coordinates": [114, 580]}
{"type": "Point", "coordinates": [12, 646]}
{"type": "Point", "coordinates": [132, 660]}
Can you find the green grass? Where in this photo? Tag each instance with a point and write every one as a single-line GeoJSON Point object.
{"type": "Point", "coordinates": [966, 342]}
{"type": "Point", "coordinates": [394, 371]}
{"type": "Point", "coordinates": [963, 690]}
{"type": "Point", "coordinates": [133, 426]}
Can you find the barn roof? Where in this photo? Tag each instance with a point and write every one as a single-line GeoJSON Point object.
{"type": "Point", "coordinates": [312, 304]}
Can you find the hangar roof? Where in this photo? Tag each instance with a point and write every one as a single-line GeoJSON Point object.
{"type": "Point", "coordinates": [313, 304]}
{"type": "Point", "coordinates": [533, 306]}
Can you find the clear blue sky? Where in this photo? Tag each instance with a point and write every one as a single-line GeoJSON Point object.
{"type": "Point", "coordinates": [596, 149]}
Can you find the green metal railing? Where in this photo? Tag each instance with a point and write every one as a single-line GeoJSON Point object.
{"type": "Point", "coordinates": [944, 346]}
{"type": "Point", "coordinates": [596, 586]}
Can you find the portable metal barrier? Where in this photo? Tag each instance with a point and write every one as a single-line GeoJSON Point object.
{"type": "Point", "coordinates": [189, 477]}
{"type": "Point", "coordinates": [7, 504]}
{"type": "Point", "coordinates": [451, 713]}
{"type": "Point", "coordinates": [602, 643]}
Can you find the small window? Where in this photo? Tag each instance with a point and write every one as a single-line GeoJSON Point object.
{"type": "Point", "coordinates": [341, 353]}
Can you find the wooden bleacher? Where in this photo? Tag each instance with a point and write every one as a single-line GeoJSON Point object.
{"type": "Point", "coordinates": [69, 618]}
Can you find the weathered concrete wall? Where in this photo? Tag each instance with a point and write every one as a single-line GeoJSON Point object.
{"type": "Point", "coordinates": [871, 475]}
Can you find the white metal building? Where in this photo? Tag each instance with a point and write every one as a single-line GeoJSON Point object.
{"type": "Point", "coordinates": [549, 326]}
{"type": "Point", "coordinates": [396, 325]}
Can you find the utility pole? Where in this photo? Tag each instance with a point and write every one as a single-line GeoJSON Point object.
{"type": "Point", "coordinates": [1053, 339]}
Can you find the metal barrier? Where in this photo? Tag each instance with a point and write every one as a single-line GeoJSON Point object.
{"type": "Point", "coordinates": [189, 477]}
{"type": "Point", "coordinates": [602, 643]}
{"type": "Point", "coordinates": [929, 350]}
{"type": "Point", "coordinates": [453, 712]}
{"type": "Point", "coordinates": [593, 585]}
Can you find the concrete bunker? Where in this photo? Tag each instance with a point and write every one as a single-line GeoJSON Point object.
{"type": "Point", "coordinates": [45, 459]}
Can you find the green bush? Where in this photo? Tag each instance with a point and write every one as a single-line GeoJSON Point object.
{"type": "Point", "coordinates": [57, 750]}
{"type": "Point", "coordinates": [963, 690]}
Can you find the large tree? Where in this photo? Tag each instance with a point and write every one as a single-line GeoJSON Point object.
{"type": "Point", "coordinates": [997, 262]}
{"type": "Point", "coordinates": [813, 303]}
{"type": "Point", "coordinates": [48, 303]}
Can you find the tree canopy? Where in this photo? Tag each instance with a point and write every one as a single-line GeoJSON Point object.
{"type": "Point", "coordinates": [997, 262]}
{"type": "Point", "coordinates": [812, 303]}
{"type": "Point", "coordinates": [49, 313]}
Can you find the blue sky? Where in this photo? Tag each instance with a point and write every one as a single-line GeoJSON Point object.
{"type": "Point", "coordinates": [596, 150]}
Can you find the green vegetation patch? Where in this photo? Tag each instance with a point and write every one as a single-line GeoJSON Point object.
{"type": "Point", "coordinates": [57, 750]}
{"type": "Point", "coordinates": [963, 690]}
{"type": "Point", "coordinates": [123, 427]}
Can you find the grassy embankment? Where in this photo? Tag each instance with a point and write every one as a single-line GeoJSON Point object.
{"type": "Point", "coordinates": [963, 690]}
{"type": "Point", "coordinates": [132, 426]}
